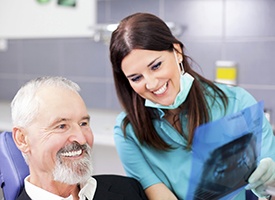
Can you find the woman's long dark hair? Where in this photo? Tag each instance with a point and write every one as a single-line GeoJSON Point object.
{"type": "Point", "coordinates": [148, 32]}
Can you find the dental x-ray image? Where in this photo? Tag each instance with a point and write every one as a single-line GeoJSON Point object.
{"type": "Point", "coordinates": [225, 152]}
{"type": "Point", "coordinates": [227, 168]}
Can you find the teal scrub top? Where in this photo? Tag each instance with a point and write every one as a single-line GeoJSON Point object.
{"type": "Point", "coordinates": [151, 166]}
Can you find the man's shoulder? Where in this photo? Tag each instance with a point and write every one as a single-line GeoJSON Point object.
{"type": "Point", "coordinates": [121, 186]}
{"type": "Point", "coordinates": [115, 178]}
{"type": "Point", "coordinates": [23, 195]}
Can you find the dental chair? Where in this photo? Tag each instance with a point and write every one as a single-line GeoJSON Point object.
{"type": "Point", "coordinates": [13, 168]}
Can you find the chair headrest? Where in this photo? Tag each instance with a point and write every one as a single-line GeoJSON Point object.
{"type": "Point", "coordinates": [13, 168]}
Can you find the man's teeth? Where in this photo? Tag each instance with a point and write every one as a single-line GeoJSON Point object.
{"type": "Point", "coordinates": [72, 153]}
{"type": "Point", "coordinates": [162, 89]}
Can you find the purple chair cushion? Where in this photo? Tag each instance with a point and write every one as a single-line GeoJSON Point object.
{"type": "Point", "coordinates": [13, 168]}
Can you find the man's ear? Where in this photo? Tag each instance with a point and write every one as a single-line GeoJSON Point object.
{"type": "Point", "coordinates": [20, 139]}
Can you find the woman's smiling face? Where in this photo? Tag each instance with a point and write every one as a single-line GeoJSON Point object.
{"type": "Point", "coordinates": [154, 75]}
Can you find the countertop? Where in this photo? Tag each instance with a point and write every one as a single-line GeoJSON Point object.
{"type": "Point", "coordinates": [102, 123]}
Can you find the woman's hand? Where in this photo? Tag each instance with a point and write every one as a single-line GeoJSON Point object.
{"type": "Point", "coordinates": [262, 180]}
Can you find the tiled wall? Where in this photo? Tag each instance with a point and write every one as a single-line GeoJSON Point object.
{"type": "Point", "coordinates": [239, 30]}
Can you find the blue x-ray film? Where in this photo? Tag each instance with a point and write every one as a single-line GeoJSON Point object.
{"type": "Point", "coordinates": [224, 154]}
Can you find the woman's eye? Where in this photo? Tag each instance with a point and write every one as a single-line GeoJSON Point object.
{"type": "Point", "coordinates": [156, 66]}
{"type": "Point", "coordinates": [136, 78]}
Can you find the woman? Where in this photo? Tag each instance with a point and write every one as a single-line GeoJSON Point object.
{"type": "Point", "coordinates": [164, 100]}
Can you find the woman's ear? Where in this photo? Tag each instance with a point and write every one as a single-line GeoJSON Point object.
{"type": "Point", "coordinates": [20, 139]}
{"type": "Point", "coordinates": [178, 51]}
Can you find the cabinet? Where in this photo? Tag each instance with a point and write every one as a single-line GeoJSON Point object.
{"type": "Point", "coordinates": [30, 19]}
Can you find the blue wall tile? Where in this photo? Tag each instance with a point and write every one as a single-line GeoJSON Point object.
{"type": "Point", "coordinates": [123, 8]}
{"type": "Point", "coordinates": [9, 60]}
{"type": "Point", "coordinates": [83, 57]}
{"type": "Point", "coordinates": [250, 18]}
{"type": "Point", "coordinates": [256, 61]}
{"type": "Point", "coordinates": [201, 18]}
{"type": "Point", "coordinates": [39, 57]}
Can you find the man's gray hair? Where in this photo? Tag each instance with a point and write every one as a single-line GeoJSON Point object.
{"type": "Point", "coordinates": [24, 106]}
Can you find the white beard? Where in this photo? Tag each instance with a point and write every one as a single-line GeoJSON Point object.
{"type": "Point", "coordinates": [75, 172]}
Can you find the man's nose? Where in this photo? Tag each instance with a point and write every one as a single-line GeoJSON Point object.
{"type": "Point", "coordinates": [77, 135]}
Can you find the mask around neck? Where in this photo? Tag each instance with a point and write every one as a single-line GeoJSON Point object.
{"type": "Point", "coordinates": [186, 81]}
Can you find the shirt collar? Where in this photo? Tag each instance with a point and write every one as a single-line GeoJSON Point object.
{"type": "Point", "coordinates": [36, 193]}
{"type": "Point", "coordinates": [88, 190]}
{"type": "Point", "coordinates": [161, 112]}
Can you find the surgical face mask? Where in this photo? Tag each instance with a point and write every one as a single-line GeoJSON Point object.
{"type": "Point", "coordinates": [186, 81]}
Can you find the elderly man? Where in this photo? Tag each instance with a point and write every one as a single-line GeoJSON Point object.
{"type": "Point", "coordinates": [51, 128]}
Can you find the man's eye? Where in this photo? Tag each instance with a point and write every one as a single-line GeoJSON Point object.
{"type": "Point", "coordinates": [61, 126]}
{"type": "Point", "coordinates": [84, 124]}
{"type": "Point", "coordinates": [156, 66]}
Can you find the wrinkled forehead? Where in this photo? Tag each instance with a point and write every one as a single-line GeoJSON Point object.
{"type": "Point", "coordinates": [57, 99]}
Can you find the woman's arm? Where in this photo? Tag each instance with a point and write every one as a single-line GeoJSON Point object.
{"type": "Point", "coordinates": [159, 192]}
